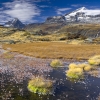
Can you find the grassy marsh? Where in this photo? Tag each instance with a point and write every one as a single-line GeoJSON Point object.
{"type": "Point", "coordinates": [55, 50]}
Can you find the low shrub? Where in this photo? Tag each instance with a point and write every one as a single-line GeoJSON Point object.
{"type": "Point", "coordinates": [8, 41]}
{"type": "Point", "coordinates": [40, 85]}
{"type": "Point", "coordinates": [95, 60]}
{"type": "Point", "coordinates": [55, 63]}
{"type": "Point", "coordinates": [83, 66]}
{"type": "Point", "coordinates": [63, 38]}
{"type": "Point", "coordinates": [44, 39]}
{"type": "Point", "coordinates": [72, 66]}
{"type": "Point", "coordinates": [75, 74]}
{"type": "Point", "coordinates": [76, 71]}
{"type": "Point", "coordinates": [26, 34]}
{"type": "Point", "coordinates": [87, 67]}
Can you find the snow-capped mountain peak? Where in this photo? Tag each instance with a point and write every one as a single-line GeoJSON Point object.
{"type": "Point", "coordinates": [80, 10]}
{"type": "Point", "coordinates": [15, 23]}
{"type": "Point", "coordinates": [15, 20]}
{"type": "Point", "coordinates": [83, 15]}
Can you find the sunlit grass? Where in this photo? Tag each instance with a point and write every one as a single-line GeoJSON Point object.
{"type": "Point", "coordinates": [74, 73]}
{"type": "Point", "coordinates": [56, 63]}
{"type": "Point", "coordinates": [40, 85]}
{"type": "Point", "coordinates": [87, 67]}
{"type": "Point", "coordinates": [55, 50]}
{"type": "Point", "coordinates": [95, 60]}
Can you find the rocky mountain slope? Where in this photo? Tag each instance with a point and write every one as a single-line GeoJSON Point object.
{"type": "Point", "coordinates": [56, 19]}
{"type": "Point", "coordinates": [66, 32]}
{"type": "Point", "coordinates": [81, 15]}
{"type": "Point", "coordinates": [46, 28]}
{"type": "Point", "coordinates": [15, 23]}
{"type": "Point", "coordinates": [86, 30]}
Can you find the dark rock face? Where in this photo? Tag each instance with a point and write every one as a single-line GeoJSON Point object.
{"type": "Point", "coordinates": [55, 19]}
{"type": "Point", "coordinates": [15, 23]}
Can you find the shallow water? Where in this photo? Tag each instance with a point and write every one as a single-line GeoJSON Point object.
{"type": "Point", "coordinates": [86, 89]}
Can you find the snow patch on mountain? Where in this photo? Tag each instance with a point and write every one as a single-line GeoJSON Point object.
{"type": "Point", "coordinates": [15, 23]}
{"type": "Point", "coordinates": [55, 19]}
{"type": "Point", "coordinates": [83, 15]}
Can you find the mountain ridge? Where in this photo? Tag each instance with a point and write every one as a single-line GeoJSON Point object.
{"type": "Point", "coordinates": [15, 23]}
{"type": "Point", "coordinates": [80, 15]}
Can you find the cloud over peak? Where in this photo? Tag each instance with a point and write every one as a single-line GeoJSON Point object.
{"type": "Point", "coordinates": [61, 10]}
{"type": "Point", "coordinates": [24, 10]}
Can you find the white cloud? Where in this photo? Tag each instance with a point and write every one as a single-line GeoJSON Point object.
{"type": "Point", "coordinates": [93, 12]}
{"type": "Point", "coordinates": [24, 10]}
{"type": "Point", "coordinates": [4, 18]}
{"type": "Point", "coordinates": [61, 10]}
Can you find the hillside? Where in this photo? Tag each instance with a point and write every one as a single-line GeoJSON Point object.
{"type": "Point", "coordinates": [87, 30]}
{"type": "Point", "coordinates": [51, 32]}
{"type": "Point", "coordinates": [46, 28]}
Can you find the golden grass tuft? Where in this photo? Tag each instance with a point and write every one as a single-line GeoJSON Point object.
{"type": "Point", "coordinates": [56, 63]}
{"type": "Point", "coordinates": [40, 85]}
{"type": "Point", "coordinates": [95, 60]}
{"type": "Point", "coordinates": [74, 73]}
{"type": "Point", "coordinates": [72, 66]}
{"type": "Point", "coordinates": [83, 66]}
{"type": "Point", "coordinates": [41, 82]}
{"type": "Point", "coordinates": [88, 67]}
{"type": "Point", "coordinates": [77, 70]}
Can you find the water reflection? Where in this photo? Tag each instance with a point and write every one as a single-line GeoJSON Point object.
{"type": "Point", "coordinates": [85, 89]}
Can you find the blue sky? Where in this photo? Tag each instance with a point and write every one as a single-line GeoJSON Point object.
{"type": "Point", "coordinates": [31, 11]}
